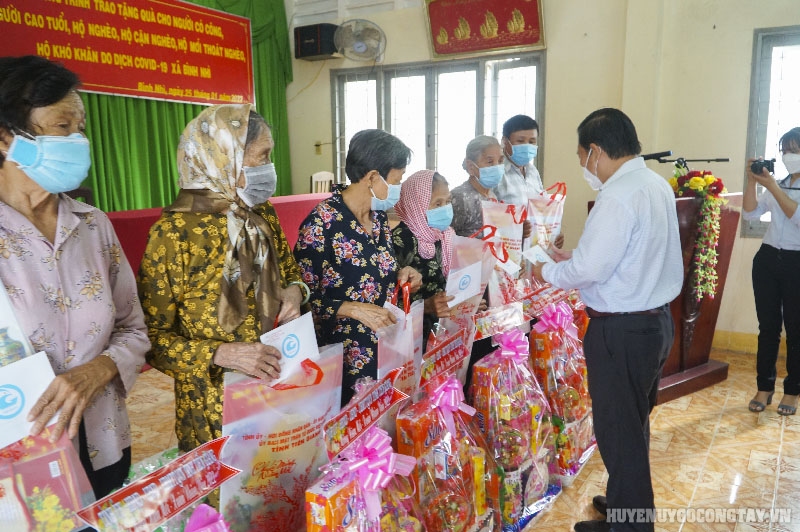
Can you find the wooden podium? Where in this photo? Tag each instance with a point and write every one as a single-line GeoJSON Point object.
{"type": "Point", "coordinates": [688, 367]}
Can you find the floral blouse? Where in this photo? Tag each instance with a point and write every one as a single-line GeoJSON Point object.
{"type": "Point", "coordinates": [179, 282]}
{"type": "Point", "coordinates": [76, 299]}
{"type": "Point", "coordinates": [341, 261]}
{"type": "Point", "coordinates": [467, 209]}
{"type": "Point", "coordinates": [433, 278]}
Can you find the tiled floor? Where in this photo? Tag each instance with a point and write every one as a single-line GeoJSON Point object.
{"type": "Point", "coordinates": [708, 452]}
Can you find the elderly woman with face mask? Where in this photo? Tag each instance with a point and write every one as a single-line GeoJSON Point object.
{"type": "Point", "coordinates": [346, 254]}
{"type": "Point", "coordinates": [424, 240]}
{"type": "Point", "coordinates": [70, 286]}
{"type": "Point", "coordinates": [218, 271]}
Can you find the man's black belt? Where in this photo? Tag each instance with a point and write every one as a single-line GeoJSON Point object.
{"type": "Point", "coordinates": [597, 314]}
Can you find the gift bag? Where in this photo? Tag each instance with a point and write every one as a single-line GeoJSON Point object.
{"type": "Point", "coordinates": [514, 416]}
{"type": "Point", "coordinates": [400, 344]}
{"type": "Point", "coordinates": [42, 485]}
{"type": "Point", "coordinates": [166, 498]}
{"type": "Point", "coordinates": [353, 494]}
{"type": "Point", "coordinates": [275, 438]}
{"type": "Point", "coordinates": [467, 252]}
{"type": "Point", "coordinates": [507, 219]}
{"type": "Point", "coordinates": [559, 365]}
{"type": "Point", "coordinates": [456, 480]}
{"type": "Point", "coordinates": [546, 211]}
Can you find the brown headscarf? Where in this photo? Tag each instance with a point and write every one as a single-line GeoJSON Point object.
{"type": "Point", "coordinates": [210, 155]}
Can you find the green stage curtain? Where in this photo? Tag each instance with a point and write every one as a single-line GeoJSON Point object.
{"type": "Point", "coordinates": [134, 139]}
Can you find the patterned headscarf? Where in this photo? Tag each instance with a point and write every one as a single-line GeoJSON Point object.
{"type": "Point", "coordinates": [210, 156]}
{"type": "Point", "coordinates": [415, 198]}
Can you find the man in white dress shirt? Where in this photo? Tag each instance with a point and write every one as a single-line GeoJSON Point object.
{"type": "Point", "coordinates": [628, 267]}
{"type": "Point", "coordinates": [520, 146]}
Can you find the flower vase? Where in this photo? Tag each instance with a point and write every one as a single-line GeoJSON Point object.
{"type": "Point", "coordinates": [10, 350]}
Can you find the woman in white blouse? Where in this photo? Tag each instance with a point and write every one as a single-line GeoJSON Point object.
{"type": "Point", "coordinates": [775, 275]}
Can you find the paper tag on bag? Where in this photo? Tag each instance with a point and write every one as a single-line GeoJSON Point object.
{"type": "Point", "coordinates": [296, 341]}
{"type": "Point", "coordinates": [537, 254]}
{"type": "Point", "coordinates": [464, 283]}
{"type": "Point", "coordinates": [21, 385]}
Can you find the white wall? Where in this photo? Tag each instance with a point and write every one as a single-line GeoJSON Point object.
{"type": "Point", "coordinates": [679, 68]}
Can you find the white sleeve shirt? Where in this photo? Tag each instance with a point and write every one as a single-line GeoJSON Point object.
{"type": "Point", "coordinates": [517, 188]}
{"type": "Point", "coordinates": [629, 256]}
{"type": "Point", "coordinates": [782, 232]}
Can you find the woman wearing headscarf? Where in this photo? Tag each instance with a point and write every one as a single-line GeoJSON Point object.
{"type": "Point", "coordinates": [218, 272]}
{"type": "Point", "coordinates": [346, 254]}
{"type": "Point", "coordinates": [424, 240]}
{"type": "Point", "coordinates": [69, 284]}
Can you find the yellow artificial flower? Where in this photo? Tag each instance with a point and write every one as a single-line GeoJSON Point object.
{"type": "Point", "coordinates": [710, 179]}
{"type": "Point", "coordinates": [673, 182]}
{"type": "Point", "coordinates": [697, 183]}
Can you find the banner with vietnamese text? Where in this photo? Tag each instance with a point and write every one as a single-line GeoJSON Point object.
{"type": "Point", "coordinates": [161, 49]}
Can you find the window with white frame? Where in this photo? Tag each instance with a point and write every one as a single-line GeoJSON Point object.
{"type": "Point", "coordinates": [774, 102]}
{"type": "Point", "coordinates": [437, 108]}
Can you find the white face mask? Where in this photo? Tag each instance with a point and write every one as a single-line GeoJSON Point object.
{"type": "Point", "coordinates": [591, 178]}
{"type": "Point", "coordinates": [792, 162]}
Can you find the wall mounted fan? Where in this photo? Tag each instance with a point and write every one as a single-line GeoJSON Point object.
{"type": "Point", "coordinates": [360, 40]}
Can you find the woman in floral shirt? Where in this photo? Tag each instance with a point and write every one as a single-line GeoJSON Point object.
{"type": "Point", "coordinates": [345, 252]}
{"type": "Point", "coordinates": [70, 286]}
{"type": "Point", "coordinates": [217, 271]}
{"type": "Point", "coordinates": [423, 240]}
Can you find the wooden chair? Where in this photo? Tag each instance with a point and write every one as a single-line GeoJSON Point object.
{"type": "Point", "coordinates": [321, 182]}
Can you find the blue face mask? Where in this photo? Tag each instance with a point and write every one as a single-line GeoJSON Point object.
{"type": "Point", "coordinates": [57, 164]}
{"type": "Point", "coordinates": [491, 175]}
{"type": "Point", "coordinates": [441, 217]}
{"type": "Point", "coordinates": [392, 197]}
{"type": "Point", "coordinates": [522, 154]}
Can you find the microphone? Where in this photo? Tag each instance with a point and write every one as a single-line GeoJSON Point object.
{"type": "Point", "coordinates": [657, 155]}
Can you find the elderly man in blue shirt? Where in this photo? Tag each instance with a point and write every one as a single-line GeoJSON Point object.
{"type": "Point", "coordinates": [628, 268]}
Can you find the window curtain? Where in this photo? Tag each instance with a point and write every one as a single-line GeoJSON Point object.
{"type": "Point", "coordinates": [134, 140]}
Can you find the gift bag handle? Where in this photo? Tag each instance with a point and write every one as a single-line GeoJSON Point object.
{"type": "Point", "coordinates": [560, 190]}
{"type": "Point", "coordinates": [512, 210]}
{"type": "Point", "coordinates": [492, 232]}
{"type": "Point", "coordinates": [406, 288]}
{"type": "Point", "coordinates": [309, 367]}
{"type": "Point", "coordinates": [493, 249]}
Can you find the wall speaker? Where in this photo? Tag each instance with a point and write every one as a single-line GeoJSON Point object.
{"type": "Point", "coordinates": [314, 42]}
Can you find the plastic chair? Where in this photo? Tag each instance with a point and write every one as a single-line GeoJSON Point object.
{"type": "Point", "coordinates": [321, 182]}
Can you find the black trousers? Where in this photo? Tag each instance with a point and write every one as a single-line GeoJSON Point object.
{"type": "Point", "coordinates": [624, 356]}
{"type": "Point", "coordinates": [777, 292]}
{"type": "Point", "coordinates": [107, 479]}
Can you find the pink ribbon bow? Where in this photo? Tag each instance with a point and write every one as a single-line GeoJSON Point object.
{"type": "Point", "coordinates": [513, 344]}
{"type": "Point", "coordinates": [374, 463]}
{"type": "Point", "coordinates": [206, 519]}
{"type": "Point", "coordinates": [448, 397]}
{"type": "Point", "coordinates": [557, 317]}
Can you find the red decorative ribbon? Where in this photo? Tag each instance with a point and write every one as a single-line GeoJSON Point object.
{"type": "Point", "coordinates": [448, 397]}
{"type": "Point", "coordinates": [557, 317]}
{"type": "Point", "coordinates": [373, 462]}
{"type": "Point", "coordinates": [514, 344]}
{"type": "Point", "coordinates": [206, 519]}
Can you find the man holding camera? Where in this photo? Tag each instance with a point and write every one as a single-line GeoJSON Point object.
{"type": "Point", "coordinates": [775, 268]}
{"type": "Point", "coordinates": [628, 267]}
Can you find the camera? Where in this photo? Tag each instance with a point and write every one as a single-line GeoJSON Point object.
{"type": "Point", "coordinates": [758, 165]}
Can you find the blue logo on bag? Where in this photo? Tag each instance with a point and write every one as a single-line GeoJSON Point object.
{"type": "Point", "coordinates": [12, 400]}
{"type": "Point", "coordinates": [290, 346]}
{"type": "Point", "coordinates": [464, 282]}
